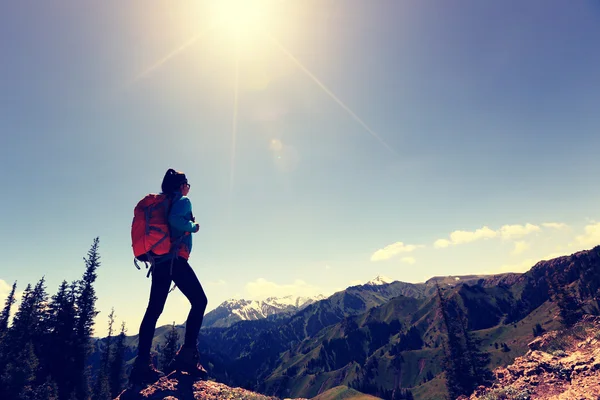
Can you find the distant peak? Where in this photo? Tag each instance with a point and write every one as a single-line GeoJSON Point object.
{"type": "Point", "coordinates": [380, 280]}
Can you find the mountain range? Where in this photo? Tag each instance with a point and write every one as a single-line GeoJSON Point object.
{"type": "Point", "coordinates": [384, 336]}
{"type": "Point", "coordinates": [231, 311]}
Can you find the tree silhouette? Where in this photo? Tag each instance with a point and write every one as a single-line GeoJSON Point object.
{"type": "Point", "coordinates": [117, 371]}
{"type": "Point", "coordinates": [23, 342]}
{"type": "Point", "coordinates": [102, 384]}
{"type": "Point", "coordinates": [570, 308]}
{"type": "Point", "coordinates": [465, 365]}
{"type": "Point", "coordinates": [5, 315]}
{"type": "Point", "coordinates": [171, 347]}
{"type": "Point", "coordinates": [62, 339]}
{"type": "Point", "coordinates": [85, 302]}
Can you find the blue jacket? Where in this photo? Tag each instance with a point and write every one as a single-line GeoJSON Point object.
{"type": "Point", "coordinates": [181, 225]}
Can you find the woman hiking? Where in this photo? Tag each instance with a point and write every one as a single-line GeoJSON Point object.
{"type": "Point", "coordinates": [173, 267]}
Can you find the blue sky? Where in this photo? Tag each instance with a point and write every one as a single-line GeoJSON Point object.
{"type": "Point", "coordinates": [326, 142]}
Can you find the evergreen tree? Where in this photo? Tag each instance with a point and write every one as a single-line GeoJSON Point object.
{"type": "Point", "coordinates": [465, 365]}
{"type": "Point", "coordinates": [102, 385]}
{"type": "Point", "coordinates": [452, 364]}
{"type": "Point", "coordinates": [45, 391]}
{"type": "Point", "coordinates": [117, 371]}
{"type": "Point", "coordinates": [24, 341]}
{"type": "Point", "coordinates": [170, 349]}
{"type": "Point", "coordinates": [20, 372]}
{"type": "Point", "coordinates": [85, 303]}
{"type": "Point", "coordinates": [570, 308]}
{"type": "Point", "coordinates": [478, 359]}
{"type": "Point", "coordinates": [5, 315]}
{"type": "Point", "coordinates": [62, 343]}
{"type": "Point", "coordinates": [538, 330]}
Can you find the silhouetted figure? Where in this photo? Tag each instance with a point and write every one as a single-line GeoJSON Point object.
{"type": "Point", "coordinates": [173, 267]}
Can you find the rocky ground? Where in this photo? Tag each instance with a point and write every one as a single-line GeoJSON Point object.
{"type": "Point", "coordinates": [181, 387]}
{"type": "Point", "coordinates": [559, 365]}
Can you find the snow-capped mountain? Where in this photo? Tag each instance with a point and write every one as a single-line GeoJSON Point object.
{"type": "Point", "coordinates": [380, 280]}
{"type": "Point", "coordinates": [231, 311]}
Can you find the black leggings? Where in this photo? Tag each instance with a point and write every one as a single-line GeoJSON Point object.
{"type": "Point", "coordinates": [186, 280]}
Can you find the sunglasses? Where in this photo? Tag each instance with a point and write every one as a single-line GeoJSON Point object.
{"type": "Point", "coordinates": [187, 184]}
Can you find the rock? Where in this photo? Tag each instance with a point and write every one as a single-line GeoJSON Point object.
{"type": "Point", "coordinates": [182, 387]}
{"type": "Point", "coordinates": [580, 368]}
{"type": "Point", "coordinates": [573, 372]}
{"type": "Point", "coordinates": [535, 344]}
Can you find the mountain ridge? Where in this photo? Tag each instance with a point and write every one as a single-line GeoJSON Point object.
{"type": "Point", "coordinates": [391, 333]}
{"type": "Point", "coordinates": [234, 310]}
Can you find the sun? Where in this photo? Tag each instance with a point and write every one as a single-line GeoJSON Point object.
{"type": "Point", "coordinates": [243, 19]}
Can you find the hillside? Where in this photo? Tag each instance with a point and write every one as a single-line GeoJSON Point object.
{"type": "Point", "coordinates": [559, 365]}
{"type": "Point", "coordinates": [379, 338]}
{"type": "Point", "coordinates": [398, 344]}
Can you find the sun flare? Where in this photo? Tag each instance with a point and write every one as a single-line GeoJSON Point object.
{"type": "Point", "coordinates": [240, 18]}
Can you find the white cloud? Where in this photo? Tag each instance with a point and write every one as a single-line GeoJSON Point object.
{"type": "Point", "coordinates": [409, 260]}
{"type": "Point", "coordinates": [441, 243]}
{"type": "Point", "coordinates": [260, 289]}
{"type": "Point", "coordinates": [555, 225]}
{"type": "Point", "coordinates": [506, 232]}
{"type": "Point", "coordinates": [219, 282]}
{"type": "Point", "coordinates": [392, 250]}
{"type": "Point", "coordinates": [591, 237]}
{"type": "Point", "coordinates": [517, 231]}
{"type": "Point", "coordinates": [460, 237]}
{"type": "Point", "coordinates": [520, 247]}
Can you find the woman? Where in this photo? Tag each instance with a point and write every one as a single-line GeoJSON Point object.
{"type": "Point", "coordinates": [173, 267]}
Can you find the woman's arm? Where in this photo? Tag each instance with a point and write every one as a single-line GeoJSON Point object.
{"type": "Point", "coordinates": [179, 218]}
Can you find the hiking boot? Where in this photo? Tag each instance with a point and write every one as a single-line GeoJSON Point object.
{"type": "Point", "coordinates": [187, 360]}
{"type": "Point", "coordinates": [144, 373]}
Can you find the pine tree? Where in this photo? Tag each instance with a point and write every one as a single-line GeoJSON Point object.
{"type": "Point", "coordinates": [538, 330]}
{"type": "Point", "coordinates": [570, 308]}
{"type": "Point", "coordinates": [45, 391]}
{"type": "Point", "coordinates": [10, 344]}
{"type": "Point", "coordinates": [86, 312]}
{"type": "Point", "coordinates": [60, 354]}
{"type": "Point", "coordinates": [117, 370]}
{"type": "Point", "coordinates": [452, 364]}
{"type": "Point", "coordinates": [102, 385]}
{"type": "Point", "coordinates": [29, 321]}
{"type": "Point", "coordinates": [23, 342]}
{"type": "Point", "coordinates": [478, 359]}
{"type": "Point", "coordinates": [465, 365]}
{"type": "Point", "coordinates": [170, 349]}
{"type": "Point", "coordinates": [20, 372]}
{"type": "Point", "coordinates": [5, 315]}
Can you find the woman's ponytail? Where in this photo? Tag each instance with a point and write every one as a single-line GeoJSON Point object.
{"type": "Point", "coordinates": [172, 181]}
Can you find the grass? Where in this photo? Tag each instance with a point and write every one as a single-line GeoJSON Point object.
{"type": "Point", "coordinates": [507, 393]}
{"type": "Point", "coordinates": [343, 392]}
{"type": "Point", "coordinates": [434, 389]}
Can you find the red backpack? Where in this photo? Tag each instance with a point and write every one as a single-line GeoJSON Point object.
{"type": "Point", "coordinates": [150, 228]}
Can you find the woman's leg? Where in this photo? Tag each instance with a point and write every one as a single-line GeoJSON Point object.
{"type": "Point", "coordinates": [161, 280]}
{"type": "Point", "coordinates": [187, 281]}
